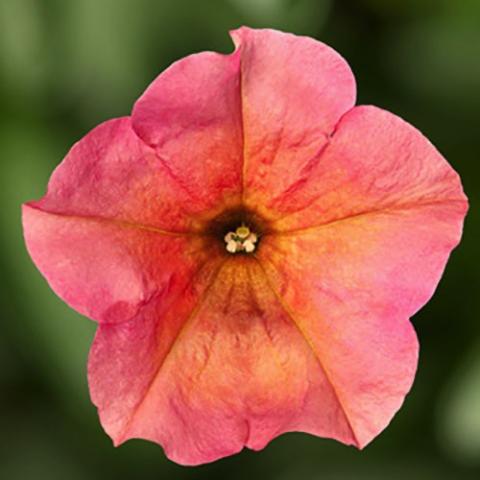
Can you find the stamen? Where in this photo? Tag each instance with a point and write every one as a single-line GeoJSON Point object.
{"type": "Point", "coordinates": [243, 232]}
{"type": "Point", "coordinates": [242, 240]}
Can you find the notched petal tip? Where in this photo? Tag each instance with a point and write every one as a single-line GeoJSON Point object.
{"type": "Point", "coordinates": [241, 34]}
{"type": "Point", "coordinates": [247, 36]}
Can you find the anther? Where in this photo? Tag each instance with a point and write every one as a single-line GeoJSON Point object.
{"type": "Point", "coordinates": [242, 240]}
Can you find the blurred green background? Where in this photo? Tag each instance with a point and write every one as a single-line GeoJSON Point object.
{"type": "Point", "coordinates": [67, 65]}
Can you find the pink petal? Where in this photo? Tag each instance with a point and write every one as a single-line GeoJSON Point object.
{"type": "Point", "coordinates": [234, 371]}
{"type": "Point", "coordinates": [98, 235]}
{"type": "Point", "coordinates": [375, 161]}
{"type": "Point", "coordinates": [352, 284]}
{"type": "Point", "coordinates": [191, 115]}
{"type": "Point", "coordinates": [294, 90]}
{"type": "Point", "coordinates": [105, 270]}
{"type": "Point", "coordinates": [110, 173]}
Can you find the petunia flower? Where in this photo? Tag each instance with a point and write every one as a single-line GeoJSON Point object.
{"type": "Point", "coordinates": [252, 246]}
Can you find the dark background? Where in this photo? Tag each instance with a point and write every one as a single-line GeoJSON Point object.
{"type": "Point", "coordinates": [67, 65]}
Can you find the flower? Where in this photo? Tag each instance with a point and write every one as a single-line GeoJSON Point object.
{"type": "Point", "coordinates": [252, 246]}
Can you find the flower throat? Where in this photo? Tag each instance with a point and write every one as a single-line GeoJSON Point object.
{"type": "Point", "coordinates": [238, 230]}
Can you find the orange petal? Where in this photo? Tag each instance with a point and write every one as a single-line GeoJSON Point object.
{"type": "Point", "coordinates": [375, 161]}
{"type": "Point", "coordinates": [239, 372]}
{"type": "Point", "coordinates": [351, 287]}
{"type": "Point", "coordinates": [109, 271]}
{"type": "Point", "coordinates": [191, 115]}
{"type": "Point", "coordinates": [112, 231]}
{"type": "Point", "coordinates": [294, 90]}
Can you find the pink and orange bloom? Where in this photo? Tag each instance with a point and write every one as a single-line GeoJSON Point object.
{"type": "Point", "coordinates": [252, 246]}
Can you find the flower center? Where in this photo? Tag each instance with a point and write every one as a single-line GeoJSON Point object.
{"type": "Point", "coordinates": [237, 230]}
{"type": "Point", "coordinates": [241, 240]}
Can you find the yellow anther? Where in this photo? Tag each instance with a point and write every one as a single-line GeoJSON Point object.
{"type": "Point", "coordinates": [243, 232]}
